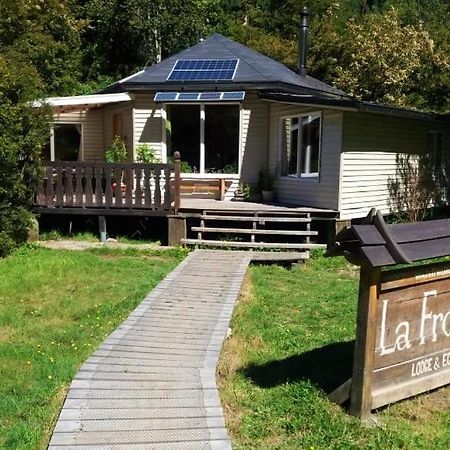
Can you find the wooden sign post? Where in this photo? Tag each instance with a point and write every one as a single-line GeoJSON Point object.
{"type": "Point", "coordinates": [402, 345]}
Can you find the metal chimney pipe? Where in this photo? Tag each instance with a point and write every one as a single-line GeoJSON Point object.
{"type": "Point", "coordinates": [303, 40]}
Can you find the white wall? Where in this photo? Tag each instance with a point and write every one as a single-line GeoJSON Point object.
{"type": "Point", "coordinates": [321, 192]}
{"type": "Point", "coordinates": [370, 145]}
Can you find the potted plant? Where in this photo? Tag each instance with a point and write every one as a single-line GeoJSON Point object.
{"type": "Point", "coordinates": [146, 155]}
{"type": "Point", "coordinates": [265, 185]}
{"type": "Point", "coordinates": [116, 153]}
{"type": "Point", "coordinates": [242, 193]}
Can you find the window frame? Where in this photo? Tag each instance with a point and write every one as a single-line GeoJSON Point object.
{"type": "Point", "coordinates": [313, 176]}
{"type": "Point", "coordinates": [434, 150]}
{"type": "Point", "coordinates": [202, 148]}
{"type": "Point", "coordinates": [52, 138]}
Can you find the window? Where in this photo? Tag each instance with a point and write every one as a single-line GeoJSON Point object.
{"type": "Point", "coordinates": [300, 145]}
{"type": "Point", "coordinates": [66, 143]}
{"type": "Point", "coordinates": [207, 136]}
{"type": "Point", "coordinates": [435, 148]}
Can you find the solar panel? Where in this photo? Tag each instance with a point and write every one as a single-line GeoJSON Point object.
{"type": "Point", "coordinates": [188, 96]}
{"type": "Point", "coordinates": [198, 96]}
{"type": "Point", "coordinates": [165, 96]}
{"type": "Point", "coordinates": [203, 69]}
{"type": "Point", "coordinates": [233, 96]}
{"type": "Point", "coordinates": [210, 96]}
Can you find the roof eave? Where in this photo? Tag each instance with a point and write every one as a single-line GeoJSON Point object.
{"type": "Point", "coordinates": [351, 105]}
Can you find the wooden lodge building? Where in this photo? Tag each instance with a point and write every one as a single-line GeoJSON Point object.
{"type": "Point", "coordinates": [231, 113]}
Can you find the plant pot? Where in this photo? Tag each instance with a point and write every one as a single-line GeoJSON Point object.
{"type": "Point", "coordinates": [268, 196]}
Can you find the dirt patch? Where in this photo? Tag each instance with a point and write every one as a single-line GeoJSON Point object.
{"type": "Point", "coordinates": [6, 333]}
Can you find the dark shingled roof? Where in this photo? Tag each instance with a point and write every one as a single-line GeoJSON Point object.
{"type": "Point", "coordinates": [254, 70]}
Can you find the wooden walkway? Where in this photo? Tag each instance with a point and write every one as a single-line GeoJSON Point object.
{"type": "Point", "coordinates": [151, 384]}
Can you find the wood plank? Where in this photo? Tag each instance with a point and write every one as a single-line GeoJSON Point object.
{"type": "Point", "coordinates": [260, 219]}
{"type": "Point", "coordinates": [256, 231]}
{"type": "Point", "coordinates": [250, 244]}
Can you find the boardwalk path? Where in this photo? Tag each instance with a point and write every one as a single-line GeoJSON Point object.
{"type": "Point", "coordinates": [151, 384]}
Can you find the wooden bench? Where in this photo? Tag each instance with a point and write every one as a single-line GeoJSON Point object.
{"type": "Point", "coordinates": [204, 188]}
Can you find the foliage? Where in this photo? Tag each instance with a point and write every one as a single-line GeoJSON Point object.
{"type": "Point", "coordinates": [51, 322]}
{"type": "Point", "coordinates": [244, 190]}
{"type": "Point", "coordinates": [414, 189]}
{"type": "Point", "coordinates": [116, 152]}
{"type": "Point", "coordinates": [146, 154]}
{"type": "Point", "coordinates": [23, 131]}
{"type": "Point", "coordinates": [230, 168]}
{"type": "Point", "coordinates": [291, 344]}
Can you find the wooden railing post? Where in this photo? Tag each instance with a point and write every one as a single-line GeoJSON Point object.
{"type": "Point", "coordinates": [177, 181]}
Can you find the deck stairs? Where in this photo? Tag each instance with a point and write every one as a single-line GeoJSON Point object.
{"type": "Point", "coordinates": [255, 230]}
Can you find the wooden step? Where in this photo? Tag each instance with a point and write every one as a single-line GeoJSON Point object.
{"type": "Point", "coordinates": [238, 244]}
{"type": "Point", "coordinates": [258, 219]}
{"type": "Point", "coordinates": [259, 231]}
{"type": "Point", "coordinates": [278, 256]}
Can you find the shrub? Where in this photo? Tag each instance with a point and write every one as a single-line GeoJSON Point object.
{"type": "Point", "coordinates": [146, 155]}
{"type": "Point", "coordinates": [116, 152]}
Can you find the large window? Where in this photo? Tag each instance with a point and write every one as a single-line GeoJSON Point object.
{"type": "Point", "coordinates": [207, 137]}
{"type": "Point", "coordinates": [300, 145]}
{"type": "Point", "coordinates": [66, 143]}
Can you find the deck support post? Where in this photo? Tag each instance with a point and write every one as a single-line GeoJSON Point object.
{"type": "Point", "coordinates": [102, 228]}
{"type": "Point", "coordinates": [177, 230]}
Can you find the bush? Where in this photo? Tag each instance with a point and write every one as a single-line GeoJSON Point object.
{"type": "Point", "coordinates": [145, 154]}
{"type": "Point", "coordinates": [116, 152]}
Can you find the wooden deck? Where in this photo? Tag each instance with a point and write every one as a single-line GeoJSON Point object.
{"type": "Point", "coordinates": [197, 205]}
{"type": "Point", "coordinates": [151, 384]}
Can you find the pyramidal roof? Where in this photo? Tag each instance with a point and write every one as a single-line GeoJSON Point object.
{"type": "Point", "coordinates": [253, 70]}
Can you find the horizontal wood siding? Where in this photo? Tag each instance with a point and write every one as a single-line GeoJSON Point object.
{"type": "Point", "coordinates": [127, 124]}
{"type": "Point", "coordinates": [92, 121]}
{"type": "Point", "coordinates": [319, 192]}
{"type": "Point", "coordinates": [147, 122]}
{"type": "Point", "coordinates": [255, 137]}
{"type": "Point", "coordinates": [370, 145]}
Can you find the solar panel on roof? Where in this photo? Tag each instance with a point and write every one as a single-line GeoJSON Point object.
{"type": "Point", "coordinates": [210, 96]}
{"type": "Point", "coordinates": [188, 96]}
{"type": "Point", "coordinates": [233, 96]}
{"type": "Point", "coordinates": [165, 96]}
{"type": "Point", "coordinates": [203, 69]}
{"type": "Point", "coordinates": [198, 96]}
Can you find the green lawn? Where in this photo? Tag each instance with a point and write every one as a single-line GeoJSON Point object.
{"type": "Point", "coordinates": [55, 308]}
{"type": "Point", "coordinates": [291, 344]}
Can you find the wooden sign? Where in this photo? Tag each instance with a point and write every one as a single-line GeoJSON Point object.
{"type": "Point", "coordinates": [403, 335]}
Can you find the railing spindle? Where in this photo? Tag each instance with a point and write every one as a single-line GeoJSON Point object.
{"type": "Point", "coordinates": [138, 189]}
{"type": "Point", "coordinates": [88, 186]}
{"type": "Point", "coordinates": [79, 186]}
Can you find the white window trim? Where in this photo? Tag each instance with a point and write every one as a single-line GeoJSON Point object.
{"type": "Point", "coordinates": [202, 148]}
{"type": "Point", "coordinates": [52, 138]}
{"type": "Point", "coordinates": [313, 176]}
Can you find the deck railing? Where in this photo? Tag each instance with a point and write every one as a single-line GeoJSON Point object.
{"type": "Point", "coordinates": [110, 185]}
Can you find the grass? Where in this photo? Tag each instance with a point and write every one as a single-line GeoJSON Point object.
{"type": "Point", "coordinates": [55, 309]}
{"type": "Point", "coordinates": [292, 343]}
{"type": "Point", "coordinates": [87, 236]}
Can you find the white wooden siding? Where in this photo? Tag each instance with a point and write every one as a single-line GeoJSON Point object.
{"type": "Point", "coordinates": [147, 122]}
{"type": "Point", "coordinates": [370, 145]}
{"type": "Point", "coordinates": [92, 122]}
{"type": "Point", "coordinates": [321, 192]}
{"type": "Point", "coordinates": [255, 137]}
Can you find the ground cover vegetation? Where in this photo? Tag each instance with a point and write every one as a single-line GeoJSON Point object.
{"type": "Point", "coordinates": [292, 344]}
{"type": "Point", "coordinates": [56, 307]}
{"type": "Point", "coordinates": [392, 51]}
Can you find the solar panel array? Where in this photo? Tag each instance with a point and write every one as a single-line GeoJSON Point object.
{"type": "Point", "coordinates": [199, 96]}
{"type": "Point", "coordinates": [203, 69]}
